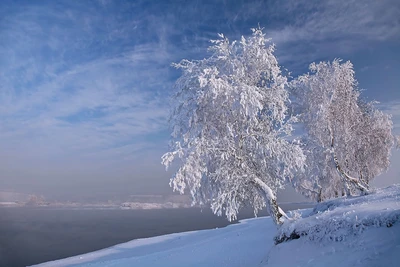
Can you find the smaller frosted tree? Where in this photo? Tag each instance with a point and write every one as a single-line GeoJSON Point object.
{"type": "Point", "coordinates": [371, 154]}
{"type": "Point", "coordinates": [348, 141]}
{"type": "Point", "coordinates": [230, 125]}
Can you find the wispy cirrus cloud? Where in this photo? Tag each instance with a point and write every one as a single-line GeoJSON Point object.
{"type": "Point", "coordinates": [340, 19]}
{"type": "Point", "coordinates": [317, 30]}
{"type": "Point", "coordinates": [106, 98]}
{"type": "Point", "coordinates": [79, 91]}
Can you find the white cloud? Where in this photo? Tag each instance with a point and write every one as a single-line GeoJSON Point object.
{"type": "Point", "coordinates": [321, 20]}
{"type": "Point", "coordinates": [59, 101]}
{"type": "Point", "coordinates": [328, 29]}
{"type": "Point", "coordinates": [89, 107]}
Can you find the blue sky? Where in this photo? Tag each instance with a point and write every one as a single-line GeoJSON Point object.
{"type": "Point", "coordinates": [85, 84]}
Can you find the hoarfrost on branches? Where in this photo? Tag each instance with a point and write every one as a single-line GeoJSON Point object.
{"type": "Point", "coordinates": [230, 122]}
{"type": "Point", "coordinates": [347, 141]}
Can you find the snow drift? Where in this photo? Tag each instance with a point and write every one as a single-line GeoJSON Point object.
{"type": "Point", "coordinates": [342, 218]}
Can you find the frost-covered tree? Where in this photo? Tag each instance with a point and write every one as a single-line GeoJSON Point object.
{"type": "Point", "coordinates": [230, 125]}
{"type": "Point", "coordinates": [371, 155]}
{"type": "Point", "coordinates": [347, 141]}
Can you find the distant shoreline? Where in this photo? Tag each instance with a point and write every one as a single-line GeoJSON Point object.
{"type": "Point", "coordinates": [129, 206]}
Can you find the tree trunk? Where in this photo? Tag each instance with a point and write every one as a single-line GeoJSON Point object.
{"type": "Point", "coordinates": [273, 209]}
{"type": "Point", "coordinates": [319, 196]}
{"type": "Point", "coordinates": [363, 182]}
{"type": "Point", "coordinates": [348, 179]}
{"type": "Point", "coordinates": [345, 177]}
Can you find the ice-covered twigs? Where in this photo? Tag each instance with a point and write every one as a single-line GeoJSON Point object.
{"type": "Point", "coordinates": [338, 219]}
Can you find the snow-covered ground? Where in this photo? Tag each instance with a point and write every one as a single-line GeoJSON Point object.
{"type": "Point", "coordinates": [362, 231]}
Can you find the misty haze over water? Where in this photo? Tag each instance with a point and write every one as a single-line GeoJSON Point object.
{"type": "Point", "coordinates": [35, 235]}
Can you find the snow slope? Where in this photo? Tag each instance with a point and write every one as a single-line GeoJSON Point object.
{"type": "Point", "coordinates": [365, 239]}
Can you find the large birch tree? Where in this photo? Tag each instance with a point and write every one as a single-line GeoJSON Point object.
{"type": "Point", "coordinates": [229, 127]}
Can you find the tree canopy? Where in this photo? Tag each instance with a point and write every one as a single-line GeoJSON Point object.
{"type": "Point", "coordinates": [348, 140]}
{"type": "Point", "coordinates": [230, 122]}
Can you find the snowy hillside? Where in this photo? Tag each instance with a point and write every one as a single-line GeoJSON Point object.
{"type": "Point", "coordinates": [359, 231]}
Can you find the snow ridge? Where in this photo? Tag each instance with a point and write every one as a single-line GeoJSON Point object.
{"type": "Point", "coordinates": [339, 219]}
